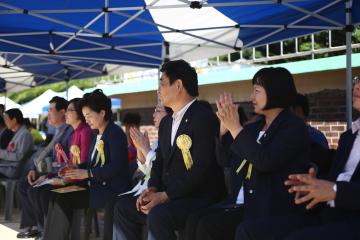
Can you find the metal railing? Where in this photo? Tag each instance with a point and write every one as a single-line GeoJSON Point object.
{"type": "Point", "coordinates": [282, 56]}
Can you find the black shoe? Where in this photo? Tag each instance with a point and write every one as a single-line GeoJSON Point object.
{"type": "Point", "coordinates": [39, 237]}
{"type": "Point", "coordinates": [30, 233]}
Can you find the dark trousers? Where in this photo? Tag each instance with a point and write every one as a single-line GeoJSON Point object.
{"type": "Point", "coordinates": [28, 217]}
{"type": "Point", "coordinates": [330, 231]}
{"type": "Point", "coordinates": [60, 215]}
{"type": "Point", "coordinates": [272, 228]}
{"type": "Point", "coordinates": [59, 220]}
{"type": "Point", "coordinates": [162, 221]}
{"type": "Point", "coordinates": [217, 222]}
{"type": "Point", "coordinates": [40, 197]}
{"type": "Point", "coordinates": [34, 202]}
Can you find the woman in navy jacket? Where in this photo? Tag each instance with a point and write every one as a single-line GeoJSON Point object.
{"type": "Point", "coordinates": [270, 149]}
{"type": "Point", "coordinates": [107, 173]}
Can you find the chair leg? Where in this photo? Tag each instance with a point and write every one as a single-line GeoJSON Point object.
{"type": "Point", "coordinates": [96, 223]}
{"type": "Point", "coordinates": [9, 199]}
{"type": "Point", "coordinates": [2, 196]}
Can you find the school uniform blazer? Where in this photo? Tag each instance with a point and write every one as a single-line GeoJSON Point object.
{"type": "Point", "coordinates": [230, 162]}
{"type": "Point", "coordinates": [113, 177]}
{"type": "Point", "coordinates": [347, 202]}
{"type": "Point", "coordinates": [282, 150]}
{"type": "Point", "coordinates": [169, 173]}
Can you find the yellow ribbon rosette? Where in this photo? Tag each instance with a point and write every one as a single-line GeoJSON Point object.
{"type": "Point", "coordinates": [184, 143]}
{"type": "Point", "coordinates": [242, 164]}
{"type": "Point", "coordinates": [75, 151]}
{"type": "Point", "coordinates": [101, 154]}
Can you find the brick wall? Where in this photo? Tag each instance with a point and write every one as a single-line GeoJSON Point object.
{"type": "Point", "coordinates": [331, 129]}
{"type": "Point", "coordinates": [327, 113]}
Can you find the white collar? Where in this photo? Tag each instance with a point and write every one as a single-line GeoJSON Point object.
{"type": "Point", "coordinates": [182, 111]}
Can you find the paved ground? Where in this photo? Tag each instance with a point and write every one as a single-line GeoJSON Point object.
{"type": "Point", "coordinates": [9, 229]}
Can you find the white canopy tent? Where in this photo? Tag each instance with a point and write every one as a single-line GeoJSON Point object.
{"type": "Point", "coordinates": [16, 78]}
{"type": "Point", "coordinates": [36, 107]}
{"type": "Point", "coordinates": [72, 92]}
{"type": "Point", "coordinates": [9, 103]}
{"type": "Point", "coordinates": [204, 33]}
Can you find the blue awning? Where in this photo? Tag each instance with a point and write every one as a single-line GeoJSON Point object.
{"type": "Point", "coordinates": [278, 20]}
{"type": "Point", "coordinates": [79, 37]}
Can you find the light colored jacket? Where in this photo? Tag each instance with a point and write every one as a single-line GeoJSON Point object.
{"type": "Point", "coordinates": [21, 143]}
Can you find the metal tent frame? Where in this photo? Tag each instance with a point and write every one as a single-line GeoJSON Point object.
{"type": "Point", "coordinates": [104, 35]}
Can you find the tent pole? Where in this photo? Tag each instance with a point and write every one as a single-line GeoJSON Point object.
{"type": "Point", "coordinates": [349, 28]}
{"type": "Point", "coordinates": [67, 79]}
{"type": "Point", "coordinates": [67, 90]}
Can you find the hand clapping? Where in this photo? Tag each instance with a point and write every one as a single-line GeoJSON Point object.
{"type": "Point", "coordinates": [141, 141]}
{"type": "Point", "coordinates": [228, 114]}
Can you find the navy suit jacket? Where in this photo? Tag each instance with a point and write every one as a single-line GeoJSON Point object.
{"type": "Point", "coordinates": [169, 173]}
{"type": "Point", "coordinates": [114, 177]}
{"type": "Point", "coordinates": [230, 162]}
{"type": "Point", "coordinates": [282, 150]}
{"type": "Point", "coordinates": [347, 202]}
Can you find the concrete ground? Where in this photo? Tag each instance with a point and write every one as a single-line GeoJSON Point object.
{"type": "Point", "coordinates": [9, 229]}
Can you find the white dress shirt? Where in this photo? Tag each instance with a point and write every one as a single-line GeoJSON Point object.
{"type": "Point", "coordinates": [177, 117]}
{"type": "Point", "coordinates": [150, 157]}
{"type": "Point", "coordinates": [146, 169]}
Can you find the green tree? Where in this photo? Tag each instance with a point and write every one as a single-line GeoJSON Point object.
{"type": "Point", "coordinates": [31, 93]}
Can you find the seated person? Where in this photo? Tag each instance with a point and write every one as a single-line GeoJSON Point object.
{"type": "Point", "coordinates": [106, 176]}
{"type": "Point", "coordinates": [301, 109]}
{"type": "Point", "coordinates": [334, 202]}
{"type": "Point", "coordinates": [339, 194]}
{"type": "Point", "coordinates": [34, 132]}
{"type": "Point", "coordinates": [320, 154]}
{"type": "Point", "coordinates": [33, 201]}
{"type": "Point", "coordinates": [21, 144]}
{"type": "Point", "coordinates": [131, 120]}
{"type": "Point", "coordinates": [267, 149]}
{"type": "Point", "coordinates": [5, 134]}
{"type": "Point", "coordinates": [184, 175]}
{"type": "Point", "coordinates": [146, 154]}
{"type": "Point", "coordinates": [82, 136]}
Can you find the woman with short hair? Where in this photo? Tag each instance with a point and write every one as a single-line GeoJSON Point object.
{"type": "Point", "coordinates": [268, 150]}
{"type": "Point", "coordinates": [107, 173]}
